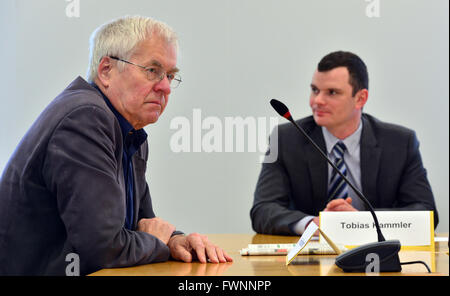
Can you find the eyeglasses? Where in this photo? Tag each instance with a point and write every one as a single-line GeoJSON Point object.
{"type": "Point", "coordinates": [156, 73]}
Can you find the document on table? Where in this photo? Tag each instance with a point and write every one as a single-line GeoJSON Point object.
{"type": "Point", "coordinates": [312, 248]}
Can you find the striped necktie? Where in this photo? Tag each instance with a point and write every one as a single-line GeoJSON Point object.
{"type": "Point", "coordinates": [338, 187]}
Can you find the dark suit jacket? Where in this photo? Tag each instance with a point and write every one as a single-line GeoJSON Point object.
{"type": "Point", "coordinates": [295, 185]}
{"type": "Point", "coordinates": [62, 192]}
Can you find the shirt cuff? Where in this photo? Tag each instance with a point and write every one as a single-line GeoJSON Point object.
{"type": "Point", "coordinates": [300, 226]}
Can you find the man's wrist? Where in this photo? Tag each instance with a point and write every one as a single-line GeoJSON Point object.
{"type": "Point", "coordinates": [174, 237]}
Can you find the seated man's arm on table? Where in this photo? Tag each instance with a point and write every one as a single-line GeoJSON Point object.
{"type": "Point", "coordinates": [270, 213]}
{"type": "Point", "coordinates": [81, 169]}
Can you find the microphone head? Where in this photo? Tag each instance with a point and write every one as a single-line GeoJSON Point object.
{"type": "Point", "coordinates": [281, 109]}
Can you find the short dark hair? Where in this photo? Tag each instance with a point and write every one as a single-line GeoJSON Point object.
{"type": "Point", "coordinates": [359, 78]}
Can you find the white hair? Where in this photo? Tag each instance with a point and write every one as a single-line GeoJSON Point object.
{"type": "Point", "coordinates": [121, 36]}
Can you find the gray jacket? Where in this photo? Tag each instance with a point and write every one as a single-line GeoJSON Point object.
{"type": "Point", "coordinates": [62, 192]}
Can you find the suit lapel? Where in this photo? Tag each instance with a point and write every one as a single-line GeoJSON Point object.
{"type": "Point", "coordinates": [370, 159]}
{"type": "Point", "coordinates": [318, 169]}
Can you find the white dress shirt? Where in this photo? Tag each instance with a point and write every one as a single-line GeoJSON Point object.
{"type": "Point", "coordinates": [352, 161]}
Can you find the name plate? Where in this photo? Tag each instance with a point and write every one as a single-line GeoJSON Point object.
{"type": "Point", "coordinates": [304, 239]}
{"type": "Point", "coordinates": [414, 229]}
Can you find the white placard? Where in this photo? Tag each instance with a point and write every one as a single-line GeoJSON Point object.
{"type": "Point", "coordinates": [304, 239]}
{"type": "Point", "coordinates": [411, 228]}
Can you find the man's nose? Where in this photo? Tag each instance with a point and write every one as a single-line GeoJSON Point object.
{"type": "Point", "coordinates": [319, 99]}
{"type": "Point", "coordinates": [163, 85]}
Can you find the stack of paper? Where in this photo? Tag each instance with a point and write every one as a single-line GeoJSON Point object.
{"type": "Point", "coordinates": [312, 248]}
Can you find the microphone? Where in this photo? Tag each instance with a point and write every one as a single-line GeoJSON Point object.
{"type": "Point", "coordinates": [355, 260]}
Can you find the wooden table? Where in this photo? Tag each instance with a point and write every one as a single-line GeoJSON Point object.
{"type": "Point", "coordinates": [311, 265]}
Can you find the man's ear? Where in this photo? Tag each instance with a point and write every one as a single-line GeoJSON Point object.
{"type": "Point", "coordinates": [361, 98]}
{"type": "Point", "coordinates": [104, 71]}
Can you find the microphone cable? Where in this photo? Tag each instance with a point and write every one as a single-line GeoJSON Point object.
{"type": "Point", "coordinates": [416, 262]}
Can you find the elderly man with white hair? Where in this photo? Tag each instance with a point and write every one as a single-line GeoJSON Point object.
{"type": "Point", "coordinates": [76, 182]}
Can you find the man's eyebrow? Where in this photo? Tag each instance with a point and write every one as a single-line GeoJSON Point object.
{"type": "Point", "coordinates": [335, 89]}
{"type": "Point", "coordinates": [155, 63]}
{"type": "Point", "coordinates": [330, 88]}
{"type": "Point", "coordinates": [174, 70]}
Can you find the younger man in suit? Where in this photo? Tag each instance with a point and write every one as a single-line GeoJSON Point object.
{"type": "Point", "coordinates": [382, 160]}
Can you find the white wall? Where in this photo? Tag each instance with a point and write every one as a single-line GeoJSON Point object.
{"type": "Point", "coordinates": [235, 56]}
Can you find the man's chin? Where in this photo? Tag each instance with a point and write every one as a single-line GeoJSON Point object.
{"type": "Point", "coordinates": [152, 119]}
{"type": "Point", "coordinates": [320, 121]}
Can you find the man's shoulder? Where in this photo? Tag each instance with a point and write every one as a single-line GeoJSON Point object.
{"type": "Point", "coordinates": [382, 128]}
{"type": "Point", "coordinates": [79, 105]}
{"type": "Point", "coordinates": [79, 93]}
{"type": "Point", "coordinates": [74, 99]}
